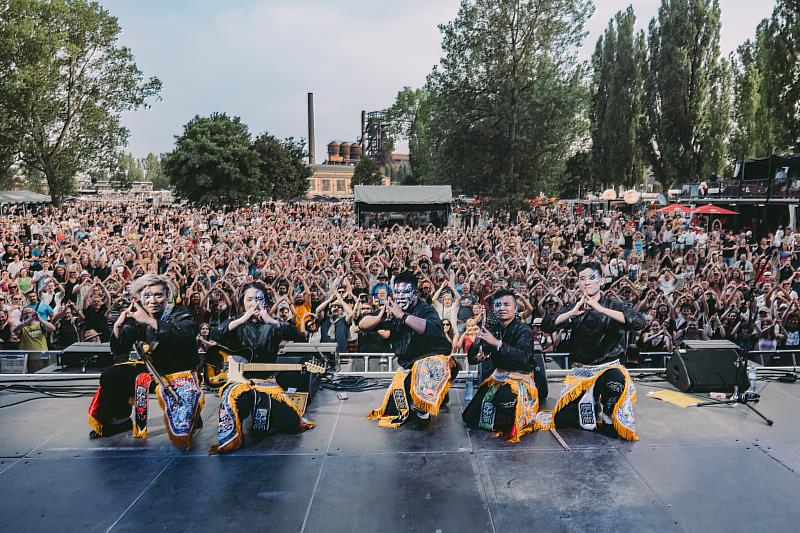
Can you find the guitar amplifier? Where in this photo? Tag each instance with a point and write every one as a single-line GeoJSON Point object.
{"type": "Point", "coordinates": [322, 351]}
{"type": "Point", "coordinates": [302, 381]}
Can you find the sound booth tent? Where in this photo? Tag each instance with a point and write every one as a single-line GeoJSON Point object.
{"type": "Point", "coordinates": [397, 199]}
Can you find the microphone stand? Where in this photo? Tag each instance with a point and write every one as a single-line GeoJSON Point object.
{"type": "Point", "coordinates": [739, 396]}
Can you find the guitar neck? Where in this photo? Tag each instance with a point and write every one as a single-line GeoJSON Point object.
{"type": "Point", "coordinates": [270, 367]}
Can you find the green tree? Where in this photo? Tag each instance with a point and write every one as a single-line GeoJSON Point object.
{"type": "Point", "coordinates": [214, 163]}
{"type": "Point", "coordinates": [687, 107]}
{"type": "Point", "coordinates": [578, 177]}
{"type": "Point", "coordinates": [154, 173]}
{"type": "Point", "coordinates": [65, 83]}
{"type": "Point", "coordinates": [283, 171]}
{"type": "Point", "coordinates": [408, 119]}
{"type": "Point", "coordinates": [126, 172]}
{"type": "Point", "coordinates": [616, 102]}
{"type": "Point", "coordinates": [508, 102]}
{"type": "Point", "coordinates": [367, 172]}
{"type": "Point", "coordinates": [778, 55]}
{"type": "Point", "coordinates": [746, 139]}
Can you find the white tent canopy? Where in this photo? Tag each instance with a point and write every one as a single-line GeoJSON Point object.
{"type": "Point", "coordinates": [403, 194]}
{"type": "Point", "coordinates": [23, 197]}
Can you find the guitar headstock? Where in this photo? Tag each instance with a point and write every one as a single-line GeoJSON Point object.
{"type": "Point", "coordinates": [315, 368]}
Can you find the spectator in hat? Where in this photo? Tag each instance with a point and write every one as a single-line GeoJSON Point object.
{"type": "Point", "coordinates": [542, 341]}
{"type": "Point", "coordinates": [92, 336]}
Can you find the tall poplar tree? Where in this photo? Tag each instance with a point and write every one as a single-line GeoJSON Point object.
{"type": "Point", "coordinates": [507, 103]}
{"type": "Point", "coordinates": [778, 54]}
{"type": "Point", "coordinates": [616, 103]}
{"type": "Point", "coordinates": [687, 106]}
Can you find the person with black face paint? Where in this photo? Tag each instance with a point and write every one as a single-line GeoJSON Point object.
{"type": "Point", "coordinates": [598, 393]}
{"type": "Point", "coordinates": [421, 384]}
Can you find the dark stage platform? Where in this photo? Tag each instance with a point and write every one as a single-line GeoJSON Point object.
{"type": "Point", "coordinates": [704, 470]}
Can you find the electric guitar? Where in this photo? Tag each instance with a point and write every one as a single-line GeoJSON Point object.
{"type": "Point", "coordinates": [238, 366]}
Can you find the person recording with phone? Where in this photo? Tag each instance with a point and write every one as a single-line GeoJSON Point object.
{"type": "Point", "coordinates": [512, 374]}
{"type": "Point", "coordinates": [168, 332]}
{"type": "Point", "coordinates": [598, 392]}
{"type": "Point", "coordinates": [32, 330]}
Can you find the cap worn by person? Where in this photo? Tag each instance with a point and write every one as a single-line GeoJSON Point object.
{"type": "Point", "coordinates": [90, 334]}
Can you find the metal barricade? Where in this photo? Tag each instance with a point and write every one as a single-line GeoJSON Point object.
{"type": "Point", "coordinates": [775, 358]}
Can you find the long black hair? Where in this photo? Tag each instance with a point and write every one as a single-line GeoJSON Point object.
{"type": "Point", "coordinates": [258, 284]}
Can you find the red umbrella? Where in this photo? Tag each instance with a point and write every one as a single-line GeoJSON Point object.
{"type": "Point", "coordinates": [713, 210]}
{"type": "Point", "coordinates": [675, 208]}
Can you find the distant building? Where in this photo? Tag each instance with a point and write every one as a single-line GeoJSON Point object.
{"type": "Point", "coordinates": [140, 191]}
{"type": "Point", "coordinates": [333, 180]}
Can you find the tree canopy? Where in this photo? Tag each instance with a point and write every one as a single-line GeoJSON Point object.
{"type": "Point", "coordinates": [687, 99]}
{"type": "Point", "coordinates": [283, 172]}
{"type": "Point", "coordinates": [616, 102]}
{"type": "Point", "coordinates": [65, 83]}
{"type": "Point", "coordinates": [367, 172]}
{"type": "Point", "coordinates": [500, 114]}
{"type": "Point", "coordinates": [214, 162]}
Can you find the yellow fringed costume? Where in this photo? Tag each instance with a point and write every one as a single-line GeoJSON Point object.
{"type": "Point", "coordinates": [430, 381]}
{"type": "Point", "coordinates": [230, 433]}
{"type": "Point", "coordinates": [579, 382]}
{"type": "Point", "coordinates": [527, 406]}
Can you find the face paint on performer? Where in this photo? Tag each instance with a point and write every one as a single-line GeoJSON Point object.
{"type": "Point", "coordinates": [254, 299]}
{"type": "Point", "coordinates": [405, 295]}
{"type": "Point", "coordinates": [505, 308]}
{"type": "Point", "coordinates": [590, 281]}
{"type": "Point", "coordinates": [154, 299]}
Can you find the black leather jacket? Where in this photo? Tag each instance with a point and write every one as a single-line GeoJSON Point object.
{"type": "Point", "coordinates": [177, 347]}
{"type": "Point", "coordinates": [596, 338]}
{"type": "Point", "coordinates": [516, 354]}
{"type": "Point", "coordinates": [263, 339]}
{"type": "Point", "coordinates": [408, 345]}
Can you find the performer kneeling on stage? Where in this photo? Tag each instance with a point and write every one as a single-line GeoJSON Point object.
{"type": "Point", "coordinates": [167, 335]}
{"type": "Point", "coordinates": [258, 334]}
{"type": "Point", "coordinates": [598, 393]}
{"type": "Point", "coordinates": [508, 399]}
{"type": "Point", "coordinates": [427, 370]}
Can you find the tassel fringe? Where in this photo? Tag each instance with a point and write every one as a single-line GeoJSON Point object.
{"type": "Point", "coordinates": [430, 407]}
{"type": "Point", "coordinates": [95, 425]}
{"type": "Point", "coordinates": [391, 422]}
{"type": "Point", "coordinates": [181, 442]}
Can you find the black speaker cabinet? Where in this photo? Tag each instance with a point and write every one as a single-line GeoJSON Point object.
{"type": "Point", "coordinates": [706, 367]}
{"type": "Point", "coordinates": [87, 354]}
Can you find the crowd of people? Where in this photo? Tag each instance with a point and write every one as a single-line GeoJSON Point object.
{"type": "Point", "coordinates": [66, 273]}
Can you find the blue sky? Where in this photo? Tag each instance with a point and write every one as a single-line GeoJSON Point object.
{"type": "Point", "coordinates": [259, 59]}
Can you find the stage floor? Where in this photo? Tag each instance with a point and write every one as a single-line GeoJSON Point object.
{"type": "Point", "coordinates": [705, 470]}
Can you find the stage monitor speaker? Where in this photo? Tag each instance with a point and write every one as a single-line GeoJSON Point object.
{"type": "Point", "coordinates": [706, 368]}
{"type": "Point", "coordinates": [87, 354]}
